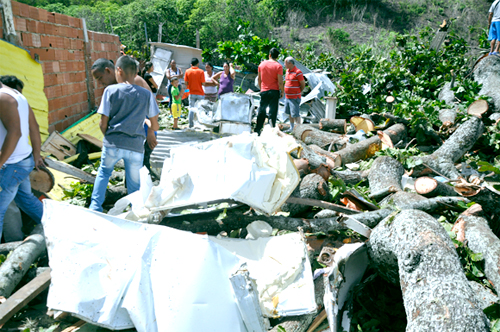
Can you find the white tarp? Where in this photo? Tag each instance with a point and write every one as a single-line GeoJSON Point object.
{"type": "Point", "coordinates": [255, 170]}
{"type": "Point", "coordinates": [121, 274]}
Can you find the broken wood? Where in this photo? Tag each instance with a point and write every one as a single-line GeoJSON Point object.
{"type": "Point", "coordinates": [478, 108]}
{"type": "Point", "coordinates": [314, 159]}
{"type": "Point", "coordinates": [361, 123]}
{"type": "Point", "coordinates": [414, 250]}
{"type": "Point", "coordinates": [443, 159]}
{"type": "Point", "coordinates": [322, 204]}
{"type": "Point", "coordinates": [91, 140]}
{"type": "Point", "coordinates": [75, 326]}
{"type": "Point", "coordinates": [395, 119]}
{"type": "Point", "coordinates": [481, 239]}
{"type": "Point", "coordinates": [70, 170]}
{"type": "Point", "coordinates": [58, 146]}
{"type": "Point", "coordinates": [367, 148]}
{"type": "Point", "coordinates": [332, 160]}
{"type": "Point", "coordinates": [312, 186]}
{"type": "Point", "coordinates": [378, 195]}
{"type": "Point", "coordinates": [334, 125]}
{"type": "Point", "coordinates": [20, 260]}
{"type": "Point", "coordinates": [430, 187]}
{"type": "Point", "coordinates": [23, 296]}
{"type": "Point", "coordinates": [351, 177]}
{"type": "Point", "coordinates": [323, 139]}
{"type": "Point", "coordinates": [405, 200]}
{"type": "Point", "coordinates": [385, 172]}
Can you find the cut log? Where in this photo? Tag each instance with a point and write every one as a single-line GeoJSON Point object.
{"type": "Point", "coordinates": [286, 126]}
{"type": "Point", "coordinates": [361, 123]}
{"type": "Point", "coordinates": [332, 160]}
{"type": "Point", "coordinates": [390, 99]}
{"type": "Point", "coordinates": [367, 148]}
{"type": "Point", "coordinates": [321, 204]}
{"type": "Point", "coordinates": [494, 117]}
{"type": "Point", "coordinates": [334, 125]}
{"type": "Point", "coordinates": [447, 117]}
{"type": "Point", "coordinates": [314, 159]}
{"type": "Point", "coordinates": [6, 248]}
{"type": "Point", "coordinates": [385, 172]}
{"type": "Point", "coordinates": [20, 260]}
{"type": "Point", "coordinates": [430, 187]}
{"type": "Point", "coordinates": [23, 296]}
{"type": "Point", "coordinates": [481, 239]}
{"type": "Point", "coordinates": [491, 206]}
{"type": "Point", "coordinates": [351, 177]}
{"type": "Point", "coordinates": [443, 159]}
{"type": "Point", "coordinates": [324, 140]}
{"type": "Point", "coordinates": [412, 248]}
{"type": "Point", "coordinates": [312, 186]}
{"type": "Point", "coordinates": [42, 180]}
{"type": "Point", "coordinates": [404, 200]}
{"type": "Point", "coordinates": [302, 166]}
{"type": "Point", "coordinates": [478, 108]}
{"type": "Point", "coordinates": [378, 195]}
{"type": "Point", "coordinates": [372, 218]}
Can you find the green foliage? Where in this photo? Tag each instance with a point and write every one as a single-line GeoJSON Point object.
{"type": "Point", "coordinates": [339, 39]}
{"type": "Point", "coordinates": [78, 194]}
{"type": "Point", "coordinates": [404, 156]}
{"type": "Point", "coordinates": [337, 187]}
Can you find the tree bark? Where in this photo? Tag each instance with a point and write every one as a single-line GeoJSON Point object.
{"type": "Point", "coordinates": [494, 117]}
{"type": "Point", "coordinates": [404, 200]}
{"type": "Point", "coordinates": [367, 148]}
{"type": "Point", "coordinates": [385, 172]}
{"type": "Point", "coordinates": [443, 159]}
{"type": "Point", "coordinates": [312, 186]}
{"type": "Point", "coordinates": [286, 126]}
{"type": "Point", "coordinates": [481, 239]}
{"type": "Point", "coordinates": [332, 160]}
{"type": "Point", "coordinates": [351, 177]}
{"type": "Point", "coordinates": [395, 119]}
{"type": "Point", "coordinates": [430, 187]}
{"type": "Point", "coordinates": [414, 249]}
{"type": "Point", "coordinates": [315, 160]}
{"type": "Point", "coordinates": [336, 125]}
{"type": "Point", "coordinates": [324, 140]}
{"type": "Point", "coordinates": [20, 260]}
{"type": "Point", "coordinates": [6, 248]}
{"type": "Point", "coordinates": [491, 206]}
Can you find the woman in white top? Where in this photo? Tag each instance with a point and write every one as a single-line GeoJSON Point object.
{"type": "Point", "coordinates": [210, 86]}
{"type": "Point", "coordinates": [171, 72]}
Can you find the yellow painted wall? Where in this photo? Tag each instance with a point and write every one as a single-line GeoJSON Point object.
{"type": "Point", "coordinates": [16, 61]}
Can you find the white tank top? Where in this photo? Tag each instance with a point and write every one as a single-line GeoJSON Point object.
{"type": "Point", "coordinates": [23, 148]}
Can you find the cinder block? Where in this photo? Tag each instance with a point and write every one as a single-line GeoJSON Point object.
{"type": "Point", "coordinates": [33, 13]}
{"type": "Point", "coordinates": [42, 14]}
{"type": "Point", "coordinates": [20, 24]}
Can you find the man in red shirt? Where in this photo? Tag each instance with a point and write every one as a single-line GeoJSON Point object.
{"type": "Point", "coordinates": [270, 80]}
{"type": "Point", "coordinates": [195, 80]}
{"type": "Point", "coordinates": [294, 84]}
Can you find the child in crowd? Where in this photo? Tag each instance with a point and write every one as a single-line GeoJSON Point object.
{"type": "Point", "coordinates": [177, 100]}
{"type": "Point", "coordinates": [124, 107]}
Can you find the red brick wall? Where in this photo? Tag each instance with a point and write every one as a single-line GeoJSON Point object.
{"type": "Point", "coordinates": [57, 42]}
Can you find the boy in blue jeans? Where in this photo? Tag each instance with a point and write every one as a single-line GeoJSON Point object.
{"type": "Point", "coordinates": [124, 107]}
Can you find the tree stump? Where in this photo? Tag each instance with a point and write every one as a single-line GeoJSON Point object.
{"type": "Point", "coordinates": [412, 248]}
{"type": "Point", "coordinates": [334, 125]}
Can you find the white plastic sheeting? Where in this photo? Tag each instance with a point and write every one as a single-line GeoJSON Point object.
{"type": "Point", "coordinates": [235, 107]}
{"type": "Point", "coordinates": [254, 170]}
{"type": "Point", "coordinates": [120, 274]}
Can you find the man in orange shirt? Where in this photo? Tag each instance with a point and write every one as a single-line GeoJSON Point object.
{"type": "Point", "coordinates": [195, 80]}
{"type": "Point", "coordinates": [294, 85]}
{"type": "Point", "coordinates": [270, 80]}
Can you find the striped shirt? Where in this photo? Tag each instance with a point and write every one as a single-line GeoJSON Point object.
{"type": "Point", "coordinates": [292, 86]}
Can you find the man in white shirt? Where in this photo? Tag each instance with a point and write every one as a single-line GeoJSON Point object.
{"type": "Point", "coordinates": [494, 27]}
{"type": "Point", "coordinates": [17, 157]}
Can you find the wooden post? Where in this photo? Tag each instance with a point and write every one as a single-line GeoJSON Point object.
{"type": "Point", "coordinates": [331, 107]}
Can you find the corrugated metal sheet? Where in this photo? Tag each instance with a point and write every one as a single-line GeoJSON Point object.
{"type": "Point", "coordinates": [88, 125]}
{"type": "Point", "coordinates": [168, 139]}
{"type": "Point", "coordinates": [16, 61]}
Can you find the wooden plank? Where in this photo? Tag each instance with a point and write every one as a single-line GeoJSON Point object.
{"type": "Point", "coordinates": [91, 140]}
{"type": "Point", "coordinates": [75, 326]}
{"type": "Point", "coordinates": [68, 169]}
{"type": "Point", "coordinates": [23, 296]}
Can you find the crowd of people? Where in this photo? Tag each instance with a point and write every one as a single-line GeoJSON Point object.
{"type": "Point", "coordinates": [129, 119]}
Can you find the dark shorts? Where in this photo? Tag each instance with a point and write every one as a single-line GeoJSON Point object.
{"type": "Point", "coordinates": [494, 31]}
{"type": "Point", "coordinates": [292, 107]}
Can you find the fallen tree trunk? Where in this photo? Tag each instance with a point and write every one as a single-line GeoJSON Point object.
{"type": "Point", "coordinates": [481, 239]}
{"type": "Point", "coordinates": [6, 248]}
{"type": "Point", "coordinates": [351, 177]}
{"type": "Point", "coordinates": [412, 248]}
{"type": "Point", "coordinates": [19, 262]}
{"type": "Point", "coordinates": [430, 187]}
{"type": "Point", "coordinates": [367, 148]}
{"type": "Point", "coordinates": [490, 203]}
{"type": "Point", "coordinates": [314, 159]}
{"type": "Point", "coordinates": [385, 172]}
{"type": "Point", "coordinates": [443, 159]}
{"type": "Point", "coordinates": [404, 200]}
{"type": "Point", "coordinates": [335, 125]}
{"type": "Point", "coordinates": [332, 160]}
{"type": "Point", "coordinates": [324, 140]}
{"type": "Point", "coordinates": [312, 186]}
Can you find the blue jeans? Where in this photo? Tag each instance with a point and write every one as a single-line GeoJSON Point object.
{"type": "Point", "coordinates": [15, 185]}
{"type": "Point", "coordinates": [109, 157]}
